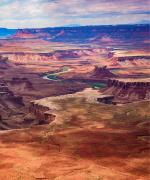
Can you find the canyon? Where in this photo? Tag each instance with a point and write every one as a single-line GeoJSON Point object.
{"type": "Point", "coordinates": [74, 102]}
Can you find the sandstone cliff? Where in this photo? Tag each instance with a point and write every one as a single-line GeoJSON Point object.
{"type": "Point", "coordinates": [9, 105]}
{"type": "Point", "coordinates": [130, 61]}
{"type": "Point", "coordinates": [42, 113]}
{"type": "Point", "coordinates": [102, 72]}
{"type": "Point", "coordinates": [128, 91]}
{"type": "Point", "coordinates": [20, 84]}
{"type": "Point", "coordinates": [4, 62]}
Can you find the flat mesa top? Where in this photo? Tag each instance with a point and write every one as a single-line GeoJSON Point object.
{"type": "Point", "coordinates": [134, 80]}
{"type": "Point", "coordinates": [105, 96]}
{"type": "Point", "coordinates": [88, 93]}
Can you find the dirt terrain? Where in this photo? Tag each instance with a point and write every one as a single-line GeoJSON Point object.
{"type": "Point", "coordinates": [57, 117]}
{"type": "Point", "coordinates": [102, 148]}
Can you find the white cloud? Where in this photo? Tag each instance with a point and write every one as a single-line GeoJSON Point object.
{"type": "Point", "coordinates": [44, 13]}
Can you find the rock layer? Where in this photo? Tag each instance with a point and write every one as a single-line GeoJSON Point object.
{"type": "Point", "coordinates": [102, 72]}
{"type": "Point", "coordinates": [42, 113]}
{"type": "Point", "coordinates": [128, 91]}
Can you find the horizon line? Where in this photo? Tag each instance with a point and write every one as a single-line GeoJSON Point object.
{"type": "Point", "coordinates": [76, 26]}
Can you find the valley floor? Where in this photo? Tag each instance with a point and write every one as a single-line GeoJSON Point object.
{"type": "Point", "coordinates": [92, 152]}
{"type": "Point", "coordinates": [87, 140]}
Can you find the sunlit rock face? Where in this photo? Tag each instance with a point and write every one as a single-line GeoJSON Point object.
{"type": "Point", "coordinates": [102, 72]}
{"type": "Point", "coordinates": [42, 113]}
{"type": "Point", "coordinates": [130, 61]}
{"type": "Point", "coordinates": [8, 98]}
{"type": "Point", "coordinates": [128, 91]}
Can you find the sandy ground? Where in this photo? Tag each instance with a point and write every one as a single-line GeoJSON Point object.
{"type": "Point", "coordinates": [79, 154]}
{"type": "Point", "coordinates": [90, 147]}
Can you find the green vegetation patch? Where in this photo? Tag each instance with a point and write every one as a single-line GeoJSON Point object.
{"type": "Point", "coordinates": [52, 76]}
{"type": "Point", "coordinates": [98, 85]}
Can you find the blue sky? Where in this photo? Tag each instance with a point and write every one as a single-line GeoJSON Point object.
{"type": "Point", "coordinates": [50, 13]}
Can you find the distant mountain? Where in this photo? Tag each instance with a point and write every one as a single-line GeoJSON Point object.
{"type": "Point", "coordinates": [124, 36]}
{"type": "Point", "coordinates": [7, 32]}
{"type": "Point", "coordinates": [108, 35]}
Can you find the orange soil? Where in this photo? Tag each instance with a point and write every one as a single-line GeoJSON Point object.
{"type": "Point", "coordinates": [89, 153]}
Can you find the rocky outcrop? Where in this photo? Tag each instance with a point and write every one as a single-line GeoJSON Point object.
{"type": "Point", "coordinates": [33, 58]}
{"type": "Point", "coordinates": [101, 72]}
{"type": "Point", "coordinates": [130, 61]}
{"type": "Point", "coordinates": [27, 57]}
{"type": "Point", "coordinates": [30, 34]}
{"type": "Point", "coordinates": [128, 91]}
{"type": "Point", "coordinates": [42, 113]}
{"type": "Point", "coordinates": [10, 104]}
{"type": "Point", "coordinates": [4, 62]}
{"type": "Point", "coordinates": [19, 86]}
{"type": "Point", "coordinates": [14, 114]}
{"type": "Point", "coordinates": [8, 96]}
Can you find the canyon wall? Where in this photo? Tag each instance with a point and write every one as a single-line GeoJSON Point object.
{"type": "Point", "coordinates": [42, 113]}
{"type": "Point", "coordinates": [130, 61]}
{"type": "Point", "coordinates": [102, 72]}
{"type": "Point", "coordinates": [20, 85]}
{"type": "Point", "coordinates": [128, 91]}
{"type": "Point", "coordinates": [28, 57]}
{"type": "Point", "coordinates": [4, 64]}
{"type": "Point", "coordinates": [80, 56]}
{"type": "Point", "coordinates": [10, 104]}
{"type": "Point", "coordinates": [55, 55]}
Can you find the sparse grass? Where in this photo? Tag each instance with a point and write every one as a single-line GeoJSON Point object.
{"type": "Point", "coordinates": [133, 113]}
{"type": "Point", "coordinates": [46, 135]}
{"type": "Point", "coordinates": [97, 112]}
{"type": "Point", "coordinates": [78, 109]}
{"type": "Point", "coordinates": [77, 112]}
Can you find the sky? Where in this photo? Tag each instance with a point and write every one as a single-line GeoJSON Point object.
{"type": "Point", "coordinates": [53, 13]}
